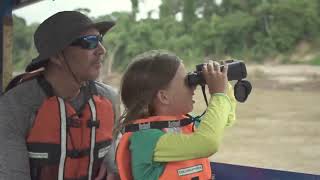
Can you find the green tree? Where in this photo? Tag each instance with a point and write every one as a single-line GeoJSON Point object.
{"type": "Point", "coordinates": [292, 20]}
{"type": "Point", "coordinates": [23, 46]}
{"type": "Point", "coordinates": [169, 8]}
{"type": "Point", "coordinates": [135, 8]}
{"type": "Point", "coordinates": [189, 13]}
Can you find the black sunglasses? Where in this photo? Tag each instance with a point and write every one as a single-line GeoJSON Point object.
{"type": "Point", "coordinates": [87, 42]}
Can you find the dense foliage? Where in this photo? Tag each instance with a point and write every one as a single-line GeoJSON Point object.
{"type": "Point", "coordinates": [252, 30]}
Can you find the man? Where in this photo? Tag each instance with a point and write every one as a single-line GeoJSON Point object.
{"type": "Point", "coordinates": [56, 123]}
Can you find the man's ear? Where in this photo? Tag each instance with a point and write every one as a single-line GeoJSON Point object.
{"type": "Point", "coordinates": [163, 97]}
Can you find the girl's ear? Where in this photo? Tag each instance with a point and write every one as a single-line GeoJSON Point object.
{"type": "Point", "coordinates": [163, 97]}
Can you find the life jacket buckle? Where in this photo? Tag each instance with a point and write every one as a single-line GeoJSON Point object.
{"type": "Point", "coordinates": [92, 123]}
{"type": "Point", "coordinates": [73, 122]}
{"type": "Point", "coordinates": [144, 126]}
{"type": "Point", "coordinates": [173, 124]}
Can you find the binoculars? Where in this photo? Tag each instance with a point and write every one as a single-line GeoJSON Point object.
{"type": "Point", "coordinates": [236, 71]}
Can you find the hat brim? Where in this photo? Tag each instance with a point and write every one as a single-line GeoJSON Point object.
{"type": "Point", "coordinates": [104, 26]}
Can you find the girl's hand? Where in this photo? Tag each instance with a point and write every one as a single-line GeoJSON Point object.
{"type": "Point", "coordinates": [216, 80]}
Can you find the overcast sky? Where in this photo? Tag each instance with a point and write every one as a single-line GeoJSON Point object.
{"type": "Point", "coordinates": [39, 11]}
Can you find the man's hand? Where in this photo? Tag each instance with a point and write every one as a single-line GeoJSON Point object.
{"type": "Point", "coordinates": [102, 172]}
{"type": "Point", "coordinates": [104, 175]}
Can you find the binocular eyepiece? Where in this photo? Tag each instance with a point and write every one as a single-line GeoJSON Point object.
{"type": "Point", "coordinates": [236, 71]}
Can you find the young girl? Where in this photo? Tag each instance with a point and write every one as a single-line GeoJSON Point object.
{"type": "Point", "coordinates": [159, 140]}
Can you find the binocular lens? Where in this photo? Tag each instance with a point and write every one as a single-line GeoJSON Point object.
{"type": "Point", "coordinates": [242, 89]}
{"type": "Point", "coordinates": [240, 94]}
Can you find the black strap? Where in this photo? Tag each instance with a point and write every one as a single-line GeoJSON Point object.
{"type": "Point", "coordinates": [158, 125]}
{"type": "Point", "coordinates": [203, 88]}
{"type": "Point", "coordinates": [14, 82]}
{"type": "Point", "coordinates": [89, 90]}
{"type": "Point", "coordinates": [79, 153]}
{"type": "Point", "coordinates": [54, 150]}
{"type": "Point", "coordinates": [78, 178]}
{"type": "Point", "coordinates": [75, 153]}
{"type": "Point", "coordinates": [93, 88]}
{"type": "Point", "coordinates": [45, 85]}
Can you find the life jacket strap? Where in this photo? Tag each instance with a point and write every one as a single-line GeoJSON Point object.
{"type": "Point", "coordinates": [45, 85]}
{"type": "Point", "coordinates": [75, 153]}
{"type": "Point", "coordinates": [158, 125]}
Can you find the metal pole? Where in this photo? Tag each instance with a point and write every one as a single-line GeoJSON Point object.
{"type": "Point", "coordinates": [1, 55]}
{"type": "Point", "coordinates": [5, 43]}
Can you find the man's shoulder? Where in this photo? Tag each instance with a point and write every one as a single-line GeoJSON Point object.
{"type": "Point", "coordinates": [28, 91]}
{"type": "Point", "coordinates": [111, 94]}
{"type": "Point", "coordinates": [18, 105]}
{"type": "Point", "coordinates": [106, 90]}
{"type": "Point", "coordinates": [23, 88]}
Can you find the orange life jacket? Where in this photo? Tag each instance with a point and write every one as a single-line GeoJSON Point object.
{"type": "Point", "coordinates": [67, 145]}
{"type": "Point", "coordinates": [195, 169]}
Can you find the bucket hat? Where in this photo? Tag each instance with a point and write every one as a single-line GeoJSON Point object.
{"type": "Point", "coordinates": [59, 31]}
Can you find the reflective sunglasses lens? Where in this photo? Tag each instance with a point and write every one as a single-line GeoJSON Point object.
{"type": "Point", "coordinates": [88, 42]}
{"type": "Point", "coordinates": [91, 42]}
